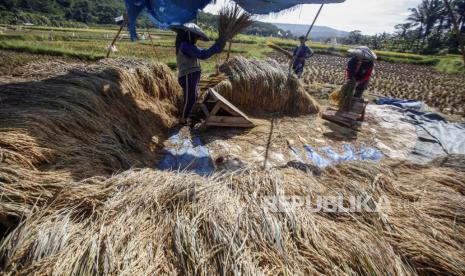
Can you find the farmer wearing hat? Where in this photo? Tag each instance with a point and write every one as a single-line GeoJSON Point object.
{"type": "Point", "coordinates": [361, 67]}
{"type": "Point", "coordinates": [187, 57]}
{"type": "Point", "coordinates": [301, 54]}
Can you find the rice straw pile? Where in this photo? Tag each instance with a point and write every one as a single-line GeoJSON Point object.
{"type": "Point", "coordinates": [265, 86]}
{"type": "Point", "coordinates": [150, 222]}
{"type": "Point", "coordinates": [94, 123]}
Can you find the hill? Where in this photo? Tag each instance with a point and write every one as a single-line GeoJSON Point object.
{"type": "Point", "coordinates": [318, 32]}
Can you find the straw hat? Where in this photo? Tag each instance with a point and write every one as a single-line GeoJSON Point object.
{"type": "Point", "coordinates": [363, 53]}
{"type": "Point", "coordinates": [191, 27]}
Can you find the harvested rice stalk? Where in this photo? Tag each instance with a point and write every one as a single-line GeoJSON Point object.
{"type": "Point", "coordinates": [346, 95]}
{"type": "Point", "coordinates": [211, 81]}
{"type": "Point", "coordinates": [279, 49]}
{"type": "Point", "coordinates": [153, 222]}
{"type": "Point", "coordinates": [231, 21]}
{"type": "Point", "coordinates": [94, 122]}
{"type": "Point", "coordinates": [264, 86]}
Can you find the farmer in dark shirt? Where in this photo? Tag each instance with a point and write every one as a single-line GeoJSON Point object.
{"type": "Point", "coordinates": [187, 57]}
{"type": "Point", "coordinates": [301, 54]}
{"type": "Point", "coordinates": [360, 68]}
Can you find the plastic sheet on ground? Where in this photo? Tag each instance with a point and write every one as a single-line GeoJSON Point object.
{"type": "Point", "coordinates": [405, 104]}
{"type": "Point", "coordinates": [168, 12]}
{"type": "Point", "coordinates": [437, 137]}
{"type": "Point", "coordinates": [187, 154]}
{"type": "Point", "coordinates": [394, 136]}
{"type": "Point", "coordinates": [326, 156]}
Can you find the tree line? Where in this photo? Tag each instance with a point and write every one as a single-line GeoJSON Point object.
{"type": "Point", "coordinates": [434, 27]}
{"type": "Point", "coordinates": [57, 12]}
{"type": "Point", "coordinates": [50, 12]}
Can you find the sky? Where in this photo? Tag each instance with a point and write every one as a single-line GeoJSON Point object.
{"type": "Point", "coordinates": [369, 16]}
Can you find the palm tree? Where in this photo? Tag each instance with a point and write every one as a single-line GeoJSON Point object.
{"type": "Point", "coordinates": [433, 12]}
{"type": "Point", "coordinates": [455, 23]}
{"type": "Point", "coordinates": [417, 17]}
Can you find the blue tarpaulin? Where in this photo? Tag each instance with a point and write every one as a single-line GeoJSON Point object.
{"type": "Point", "coordinates": [187, 154]}
{"type": "Point", "coordinates": [405, 104]}
{"type": "Point", "coordinates": [326, 156]}
{"type": "Point", "coordinates": [174, 12]}
{"type": "Point", "coordinates": [436, 136]}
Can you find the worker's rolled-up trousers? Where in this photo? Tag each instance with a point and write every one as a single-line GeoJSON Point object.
{"type": "Point", "coordinates": [190, 86]}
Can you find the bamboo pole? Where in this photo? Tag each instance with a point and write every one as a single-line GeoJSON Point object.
{"type": "Point", "coordinates": [116, 38]}
{"type": "Point", "coordinates": [153, 45]}
{"type": "Point", "coordinates": [229, 50]}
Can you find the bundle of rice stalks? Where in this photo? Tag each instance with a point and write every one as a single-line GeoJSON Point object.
{"type": "Point", "coordinates": [231, 21]}
{"type": "Point", "coordinates": [229, 225]}
{"type": "Point", "coordinates": [279, 49]}
{"type": "Point", "coordinates": [344, 96]}
{"type": "Point", "coordinates": [82, 124]}
{"type": "Point", "coordinates": [264, 86]}
{"type": "Point", "coordinates": [211, 81]}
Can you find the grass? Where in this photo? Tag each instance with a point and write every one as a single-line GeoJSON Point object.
{"type": "Point", "coordinates": [91, 44]}
{"type": "Point", "coordinates": [451, 65]}
{"type": "Point", "coordinates": [43, 50]}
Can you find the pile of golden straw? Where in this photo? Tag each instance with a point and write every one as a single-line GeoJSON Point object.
{"type": "Point", "coordinates": [85, 123]}
{"type": "Point", "coordinates": [150, 222]}
{"type": "Point", "coordinates": [265, 86]}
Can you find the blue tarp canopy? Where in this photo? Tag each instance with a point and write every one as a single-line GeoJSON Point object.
{"type": "Point", "coordinates": [168, 12]}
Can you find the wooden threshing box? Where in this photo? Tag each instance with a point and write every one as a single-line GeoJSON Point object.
{"type": "Point", "coordinates": [220, 112]}
{"type": "Point", "coordinates": [350, 118]}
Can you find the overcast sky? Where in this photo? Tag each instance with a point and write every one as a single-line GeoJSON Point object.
{"type": "Point", "coordinates": [369, 16]}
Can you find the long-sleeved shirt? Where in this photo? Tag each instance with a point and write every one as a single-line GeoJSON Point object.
{"type": "Point", "coordinates": [188, 57]}
{"type": "Point", "coordinates": [303, 52]}
{"type": "Point", "coordinates": [362, 73]}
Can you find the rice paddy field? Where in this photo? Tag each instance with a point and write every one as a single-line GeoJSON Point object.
{"type": "Point", "coordinates": [83, 141]}
{"type": "Point", "coordinates": [405, 76]}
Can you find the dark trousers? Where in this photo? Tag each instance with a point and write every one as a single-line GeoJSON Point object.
{"type": "Point", "coordinates": [298, 67]}
{"type": "Point", "coordinates": [360, 89]}
{"type": "Point", "coordinates": [190, 85]}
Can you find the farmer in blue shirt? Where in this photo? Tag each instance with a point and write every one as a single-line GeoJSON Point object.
{"type": "Point", "coordinates": [301, 54]}
{"type": "Point", "coordinates": [187, 57]}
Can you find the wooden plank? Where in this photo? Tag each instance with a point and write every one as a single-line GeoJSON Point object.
{"type": "Point", "coordinates": [215, 109]}
{"type": "Point", "coordinates": [230, 121]}
{"type": "Point", "coordinates": [211, 96]}
{"type": "Point", "coordinates": [229, 110]}
{"type": "Point", "coordinates": [350, 115]}
{"type": "Point", "coordinates": [228, 125]}
{"type": "Point", "coordinates": [337, 115]}
{"type": "Point", "coordinates": [227, 103]}
{"type": "Point", "coordinates": [205, 110]}
{"type": "Point", "coordinates": [339, 120]}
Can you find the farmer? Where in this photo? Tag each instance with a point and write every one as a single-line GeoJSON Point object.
{"type": "Point", "coordinates": [187, 57]}
{"type": "Point", "coordinates": [361, 67]}
{"type": "Point", "coordinates": [301, 54]}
